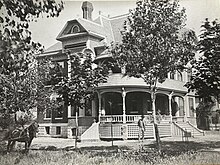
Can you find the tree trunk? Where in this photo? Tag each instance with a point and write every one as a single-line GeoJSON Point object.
{"type": "Point", "coordinates": [217, 103]}
{"type": "Point", "coordinates": [157, 135]}
{"type": "Point", "coordinates": [76, 129]}
{"type": "Point", "coordinates": [158, 142]}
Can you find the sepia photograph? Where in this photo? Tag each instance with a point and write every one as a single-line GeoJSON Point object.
{"type": "Point", "coordinates": [109, 82]}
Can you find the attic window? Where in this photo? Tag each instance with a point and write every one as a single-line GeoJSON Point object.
{"type": "Point", "coordinates": [74, 29]}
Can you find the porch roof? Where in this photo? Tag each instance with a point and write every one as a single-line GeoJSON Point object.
{"type": "Point", "coordinates": [115, 80]}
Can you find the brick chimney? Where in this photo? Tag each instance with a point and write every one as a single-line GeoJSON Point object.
{"type": "Point", "coordinates": [87, 10]}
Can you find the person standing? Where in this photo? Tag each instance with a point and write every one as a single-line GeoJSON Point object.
{"type": "Point", "coordinates": [142, 127]}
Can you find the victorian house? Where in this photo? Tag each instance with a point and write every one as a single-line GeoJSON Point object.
{"type": "Point", "coordinates": [118, 103]}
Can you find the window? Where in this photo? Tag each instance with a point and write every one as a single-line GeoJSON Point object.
{"type": "Point", "coordinates": [179, 76]}
{"type": "Point", "coordinates": [57, 72]}
{"type": "Point", "coordinates": [58, 130]}
{"type": "Point", "coordinates": [181, 106]}
{"type": "Point", "coordinates": [191, 107]}
{"type": "Point", "coordinates": [74, 29]}
{"type": "Point", "coordinates": [189, 74]}
{"type": "Point", "coordinates": [172, 75]}
{"type": "Point", "coordinates": [88, 107]}
{"type": "Point", "coordinates": [47, 130]}
{"type": "Point", "coordinates": [48, 114]}
{"type": "Point", "coordinates": [73, 110]}
{"type": "Point", "coordinates": [59, 110]}
{"type": "Point", "coordinates": [73, 131]}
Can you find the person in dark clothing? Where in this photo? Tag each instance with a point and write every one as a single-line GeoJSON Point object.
{"type": "Point", "coordinates": [141, 125]}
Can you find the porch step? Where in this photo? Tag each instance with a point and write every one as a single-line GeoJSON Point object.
{"type": "Point", "coordinates": [190, 128]}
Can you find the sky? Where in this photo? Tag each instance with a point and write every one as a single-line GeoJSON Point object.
{"type": "Point", "coordinates": [45, 30]}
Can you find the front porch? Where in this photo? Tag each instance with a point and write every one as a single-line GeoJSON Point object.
{"type": "Point", "coordinates": [120, 108]}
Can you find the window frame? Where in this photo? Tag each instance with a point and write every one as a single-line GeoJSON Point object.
{"type": "Point", "coordinates": [48, 111]}
{"type": "Point", "coordinates": [58, 130]}
{"type": "Point", "coordinates": [74, 29]}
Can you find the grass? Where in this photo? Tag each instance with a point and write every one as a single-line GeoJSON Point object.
{"type": "Point", "coordinates": [197, 152]}
{"type": "Point", "coordinates": [88, 158]}
{"type": "Point", "coordinates": [173, 153]}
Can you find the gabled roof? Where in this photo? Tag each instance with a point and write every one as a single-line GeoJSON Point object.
{"type": "Point", "coordinates": [65, 31]}
{"type": "Point", "coordinates": [103, 27]}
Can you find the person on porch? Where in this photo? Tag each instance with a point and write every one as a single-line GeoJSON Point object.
{"type": "Point", "coordinates": [141, 125]}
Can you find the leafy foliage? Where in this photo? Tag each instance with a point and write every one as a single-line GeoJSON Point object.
{"type": "Point", "coordinates": [22, 78]}
{"type": "Point", "coordinates": [26, 91]}
{"type": "Point", "coordinates": [206, 76]}
{"type": "Point", "coordinates": [154, 41]}
{"type": "Point", "coordinates": [83, 79]}
{"type": "Point", "coordinates": [16, 45]}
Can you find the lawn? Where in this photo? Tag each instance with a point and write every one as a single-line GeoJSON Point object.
{"type": "Point", "coordinates": [201, 152]}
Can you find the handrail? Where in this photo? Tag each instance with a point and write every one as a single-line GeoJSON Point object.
{"type": "Point", "coordinates": [179, 127]}
{"type": "Point", "coordinates": [196, 128]}
{"type": "Point", "coordinates": [184, 133]}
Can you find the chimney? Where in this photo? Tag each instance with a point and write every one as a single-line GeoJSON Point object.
{"type": "Point", "coordinates": [87, 10]}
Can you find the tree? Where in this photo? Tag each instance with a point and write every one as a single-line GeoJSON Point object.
{"type": "Point", "coordinates": [26, 91]}
{"type": "Point", "coordinates": [155, 43]}
{"type": "Point", "coordinates": [19, 69]}
{"type": "Point", "coordinates": [79, 87]}
{"type": "Point", "coordinates": [16, 45]}
{"type": "Point", "coordinates": [205, 79]}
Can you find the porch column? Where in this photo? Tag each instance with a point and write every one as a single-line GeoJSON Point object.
{"type": "Point", "coordinates": [69, 110]}
{"type": "Point", "coordinates": [170, 105]}
{"type": "Point", "coordinates": [186, 108]}
{"type": "Point", "coordinates": [194, 106]}
{"type": "Point", "coordinates": [123, 104]}
{"type": "Point", "coordinates": [100, 105]}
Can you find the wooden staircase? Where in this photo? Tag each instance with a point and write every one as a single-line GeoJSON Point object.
{"type": "Point", "coordinates": [181, 128]}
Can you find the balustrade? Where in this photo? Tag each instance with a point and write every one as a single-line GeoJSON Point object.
{"type": "Point", "coordinates": [113, 118]}
{"type": "Point", "coordinates": [133, 118]}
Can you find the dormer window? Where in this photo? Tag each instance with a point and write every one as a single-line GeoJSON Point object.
{"type": "Point", "coordinates": [74, 29]}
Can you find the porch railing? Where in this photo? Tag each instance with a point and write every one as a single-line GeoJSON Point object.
{"type": "Point", "coordinates": [113, 118]}
{"type": "Point", "coordinates": [133, 118]}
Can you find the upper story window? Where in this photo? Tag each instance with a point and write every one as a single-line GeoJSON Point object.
{"type": "Point", "coordinates": [74, 29]}
{"type": "Point", "coordinates": [176, 76]}
{"type": "Point", "coordinates": [179, 76]}
{"type": "Point", "coordinates": [172, 75]}
{"type": "Point", "coordinates": [189, 74]}
{"type": "Point", "coordinates": [48, 114]}
{"type": "Point", "coordinates": [60, 109]}
{"type": "Point", "coordinates": [88, 107]}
